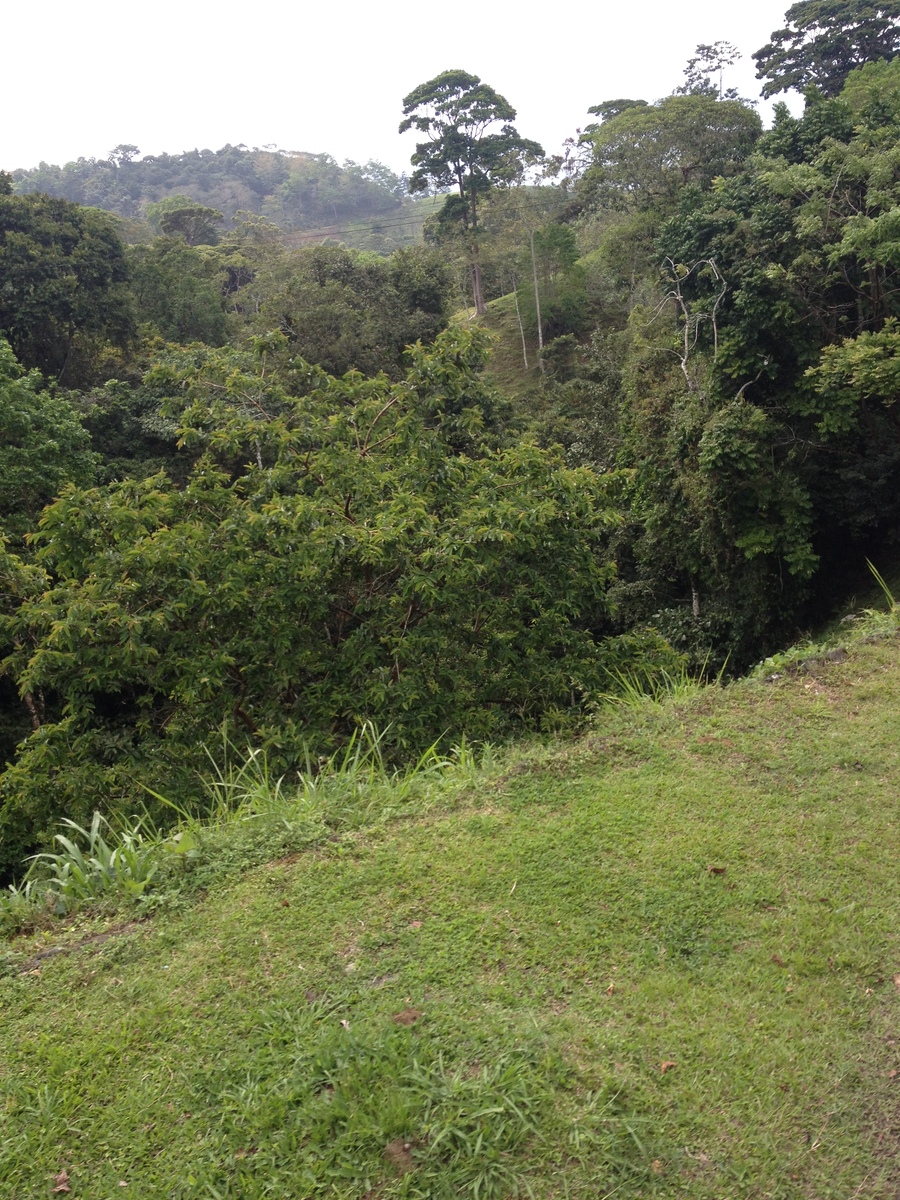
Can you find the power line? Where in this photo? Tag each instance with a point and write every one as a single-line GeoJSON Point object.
{"type": "Point", "coordinates": [369, 225]}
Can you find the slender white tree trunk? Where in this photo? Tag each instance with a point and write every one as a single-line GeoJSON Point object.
{"type": "Point", "coordinates": [521, 326]}
{"type": "Point", "coordinates": [537, 305]}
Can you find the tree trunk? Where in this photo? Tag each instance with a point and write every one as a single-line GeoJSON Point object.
{"type": "Point", "coordinates": [537, 306]}
{"type": "Point", "coordinates": [32, 711]}
{"type": "Point", "coordinates": [477, 294]}
{"type": "Point", "coordinates": [521, 326]}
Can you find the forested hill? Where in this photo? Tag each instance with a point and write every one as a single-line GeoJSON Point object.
{"type": "Point", "coordinates": [295, 190]}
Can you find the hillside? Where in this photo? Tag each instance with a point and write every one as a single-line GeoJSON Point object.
{"type": "Point", "coordinates": [662, 960]}
{"type": "Point", "coordinates": [506, 366]}
{"type": "Point", "coordinates": [364, 205]}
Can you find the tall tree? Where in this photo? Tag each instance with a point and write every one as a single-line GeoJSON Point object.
{"type": "Point", "coordinates": [824, 40]}
{"type": "Point", "coordinates": [644, 156]}
{"type": "Point", "coordinates": [64, 284]}
{"type": "Point", "coordinates": [197, 223]}
{"type": "Point", "coordinates": [465, 149]}
{"type": "Point", "coordinates": [701, 71]}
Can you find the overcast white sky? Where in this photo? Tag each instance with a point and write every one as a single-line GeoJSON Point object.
{"type": "Point", "coordinates": [81, 76]}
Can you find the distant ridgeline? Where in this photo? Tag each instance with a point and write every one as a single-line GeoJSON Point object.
{"type": "Point", "coordinates": [297, 191]}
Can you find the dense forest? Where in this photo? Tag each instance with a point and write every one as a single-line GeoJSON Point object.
{"type": "Point", "coordinates": [311, 196]}
{"type": "Point", "coordinates": [262, 490]}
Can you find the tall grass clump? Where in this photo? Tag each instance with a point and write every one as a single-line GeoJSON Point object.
{"type": "Point", "coordinates": [90, 864]}
{"type": "Point", "coordinates": [639, 689]}
{"type": "Point", "coordinates": [353, 787]}
{"type": "Point", "coordinates": [245, 813]}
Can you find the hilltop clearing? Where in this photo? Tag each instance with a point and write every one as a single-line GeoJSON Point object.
{"type": "Point", "coordinates": [662, 960]}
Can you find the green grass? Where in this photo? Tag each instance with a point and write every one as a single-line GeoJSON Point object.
{"type": "Point", "coordinates": [506, 366]}
{"type": "Point", "coordinates": [709, 881]}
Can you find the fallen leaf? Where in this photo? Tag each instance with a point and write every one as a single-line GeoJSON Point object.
{"type": "Point", "coordinates": [610, 989]}
{"type": "Point", "coordinates": [897, 981]}
{"type": "Point", "coordinates": [666, 1066]}
{"type": "Point", "coordinates": [656, 1167]}
{"type": "Point", "coordinates": [415, 924]}
{"type": "Point", "coordinates": [779, 962]}
{"type": "Point", "coordinates": [716, 870]}
{"type": "Point", "coordinates": [408, 1016]}
{"type": "Point", "coordinates": [893, 1074]}
{"type": "Point", "coordinates": [62, 1182]}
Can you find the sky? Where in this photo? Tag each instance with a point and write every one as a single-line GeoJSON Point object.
{"type": "Point", "coordinates": [177, 75]}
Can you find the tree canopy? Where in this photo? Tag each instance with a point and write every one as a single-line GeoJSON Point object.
{"type": "Point", "coordinates": [64, 287]}
{"type": "Point", "coordinates": [824, 40]}
{"type": "Point", "coordinates": [330, 556]}
{"type": "Point", "coordinates": [459, 113]}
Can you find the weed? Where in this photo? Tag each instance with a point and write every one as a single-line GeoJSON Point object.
{"type": "Point", "coordinates": [637, 690]}
{"type": "Point", "coordinates": [122, 866]}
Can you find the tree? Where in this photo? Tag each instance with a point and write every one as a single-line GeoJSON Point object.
{"type": "Point", "coordinates": [123, 153]}
{"type": "Point", "coordinates": [196, 223]}
{"type": "Point", "coordinates": [178, 291]}
{"type": "Point", "coordinates": [64, 284]}
{"type": "Point", "coordinates": [330, 558]}
{"type": "Point", "coordinates": [824, 40]}
{"type": "Point", "coordinates": [644, 156]}
{"type": "Point", "coordinates": [347, 310]}
{"type": "Point", "coordinates": [709, 61]}
{"type": "Point", "coordinates": [457, 111]}
{"type": "Point", "coordinates": [43, 445]}
{"type": "Point", "coordinates": [614, 108]}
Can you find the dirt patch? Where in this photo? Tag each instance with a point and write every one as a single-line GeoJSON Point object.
{"type": "Point", "coordinates": [408, 1016]}
{"type": "Point", "coordinates": [398, 1154]}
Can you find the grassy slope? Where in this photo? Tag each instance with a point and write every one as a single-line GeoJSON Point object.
{"type": "Point", "coordinates": [563, 938]}
{"type": "Point", "coordinates": [506, 366]}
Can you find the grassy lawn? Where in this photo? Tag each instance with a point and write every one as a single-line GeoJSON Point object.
{"type": "Point", "coordinates": [658, 961]}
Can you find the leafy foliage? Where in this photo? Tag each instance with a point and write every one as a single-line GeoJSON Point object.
{"type": "Point", "coordinates": [345, 310]}
{"type": "Point", "coordinates": [824, 40]}
{"type": "Point", "coordinates": [43, 446]}
{"type": "Point", "coordinates": [331, 558]}
{"type": "Point", "coordinates": [179, 291]}
{"type": "Point", "coordinates": [64, 285]}
{"type": "Point", "coordinates": [643, 156]}
{"type": "Point", "coordinates": [196, 223]}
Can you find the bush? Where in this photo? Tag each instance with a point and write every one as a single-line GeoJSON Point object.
{"type": "Point", "coordinates": [332, 558]}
